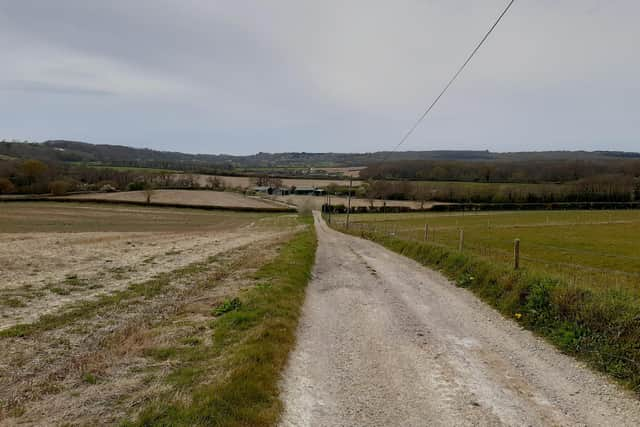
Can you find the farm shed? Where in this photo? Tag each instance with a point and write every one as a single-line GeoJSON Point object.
{"type": "Point", "coordinates": [263, 189]}
{"type": "Point", "coordinates": [307, 191]}
{"type": "Point", "coordinates": [281, 191]}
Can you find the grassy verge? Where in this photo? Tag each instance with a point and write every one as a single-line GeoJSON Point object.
{"type": "Point", "coordinates": [249, 344]}
{"type": "Point", "coordinates": [600, 327]}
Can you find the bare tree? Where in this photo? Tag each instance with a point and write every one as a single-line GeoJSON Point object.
{"type": "Point", "coordinates": [149, 192]}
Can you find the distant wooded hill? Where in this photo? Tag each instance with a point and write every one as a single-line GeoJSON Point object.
{"type": "Point", "coordinates": [117, 155]}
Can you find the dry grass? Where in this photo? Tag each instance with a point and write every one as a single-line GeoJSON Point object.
{"type": "Point", "coordinates": [55, 254]}
{"type": "Point", "coordinates": [103, 363]}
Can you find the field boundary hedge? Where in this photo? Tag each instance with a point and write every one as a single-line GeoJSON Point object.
{"type": "Point", "coordinates": [601, 328]}
{"type": "Point", "coordinates": [474, 207]}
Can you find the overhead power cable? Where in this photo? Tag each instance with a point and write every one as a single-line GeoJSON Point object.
{"type": "Point", "coordinates": [455, 76]}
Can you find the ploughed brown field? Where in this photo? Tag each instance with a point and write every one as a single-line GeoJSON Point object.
{"type": "Point", "coordinates": [90, 293]}
{"type": "Point", "coordinates": [188, 197]}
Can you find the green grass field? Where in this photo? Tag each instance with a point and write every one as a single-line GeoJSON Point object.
{"type": "Point", "coordinates": [585, 248]}
{"type": "Point", "coordinates": [125, 168]}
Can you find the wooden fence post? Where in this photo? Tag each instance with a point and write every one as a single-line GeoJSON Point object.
{"type": "Point", "coordinates": [516, 254]}
{"type": "Point", "coordinates": [461, 242]}
{"type": "Point", "coordinates": [426, 232]}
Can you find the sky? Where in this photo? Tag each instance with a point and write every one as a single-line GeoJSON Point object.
{"type": "Point", "coordinates": [244, 76]}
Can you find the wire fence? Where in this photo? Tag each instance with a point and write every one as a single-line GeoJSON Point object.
{"type": "Point", "coordinates": [581, 266]}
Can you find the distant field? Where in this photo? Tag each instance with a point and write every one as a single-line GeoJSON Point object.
{"type": "Point", "coordinates": [352, 171]}
{"type": "Point", "coordinates": [187, 197]}
{"type": "Point", "coordinates": [43, 243]}
{"type": "Point", "coordinates": [587, 248]}
{"type": "Point", "coordinates": [246, 181]}
{"type": "Point", "coordinates": [92, 297]}
{"type": "Point", "coordinates": [316, 202]}
{"type": "Point", "coordinates": [126, 168]}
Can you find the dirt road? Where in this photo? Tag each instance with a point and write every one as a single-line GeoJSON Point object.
{"type": "Point", "coordinates": [384, 341]}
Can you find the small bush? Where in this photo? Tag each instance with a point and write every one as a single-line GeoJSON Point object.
{"type": "Point", "coordinates": [227, 306]}
{"type": "Point", "coordinates": [59, 187]}
{"type": "Point", "coordinates": [136, 186]}
{"type": "Point", "coordinates": [89, 378]}
{"type": "Point", "coordinates": [6, 186]}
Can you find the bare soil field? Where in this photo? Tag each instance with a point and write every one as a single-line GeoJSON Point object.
{"type": "Point", "coordinates": [352, 171]}
{"type": "Point", "coordinates": [246, 182]}
{"type": "Point", "coordinates": [98, 289]}
{"type": "Point", "coordinates": [187, 197]}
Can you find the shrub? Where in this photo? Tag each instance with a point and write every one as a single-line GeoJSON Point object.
{"type": "Point", "coordinates": [59, 187]}
{"type": "Point", "coordinates": [136, 186]}
{"type": "Point", "coordinates": [227, 306]}
{"type": "Point", "coordinates": [6, 186]}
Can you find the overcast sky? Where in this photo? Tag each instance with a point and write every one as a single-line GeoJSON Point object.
{"type": "Point", "coordinates": [333, 75]}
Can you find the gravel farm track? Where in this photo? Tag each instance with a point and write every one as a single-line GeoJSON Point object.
{"type": "Point", "coordinates": [385, 341]}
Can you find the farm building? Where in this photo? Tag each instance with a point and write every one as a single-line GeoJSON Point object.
{"type": "Point", "coordinates": [281, 191]}
{"type": "Point", "coordinates": [263, 189]}
{"type": "Point", "coordinates": [309, 191]}
{"type": "Point", "coordinates": [305, 191]}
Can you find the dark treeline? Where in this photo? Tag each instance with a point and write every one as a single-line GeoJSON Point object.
{"type": "Point", "coordinates": [37, 177]}
{"type": "Point", "coordinates": [118, 155]}
{"type": "Point", "coordinates": [602, 188]}
{"type": "Point", "coordinates": [531, 171]}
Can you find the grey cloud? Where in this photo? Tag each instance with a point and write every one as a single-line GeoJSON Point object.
{"type": "Point", "coordinates": [55, 89]}
{"type": "Point", "coordinates": [299, 75]}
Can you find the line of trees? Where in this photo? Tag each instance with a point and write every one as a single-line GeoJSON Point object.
{"type": "Point", "coordinates": [37, 177]}
{"type": "Point", "coordinates": [531, 171]}
{"type": "Point", "coordinates": [604, 188]}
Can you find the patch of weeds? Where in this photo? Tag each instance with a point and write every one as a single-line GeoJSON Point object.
{"type": "Point", "coordinates": [192, 341]}
{"type": "Point", "coordinates": [59, 290]}
{"type": "Point", "coordinates": [227, 306]}
{"type": "Point", "coordinates": [13, 302]}
{"type": "Point", "coordinates": [185, 376]}
{"type": "Point", "coordinates": [119, 273]}
{"type": "Point", "coordinates": [148, 379]}
{"type": "Point", "coordinates": [163, 353]}
{"type": "Point", "coordinates": [74, 280]}
{"type": "Point", "coordinates": [50, 388]}
{"type": "Point", "coordinates": [17, 411]}
{"type": "Point", "coordinates": [466, 280]}
{"type": "Point", "coordinates": [89, 378]}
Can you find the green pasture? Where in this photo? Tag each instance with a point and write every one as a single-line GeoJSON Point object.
{"type": "Point", "coordinates": [586, 248]}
